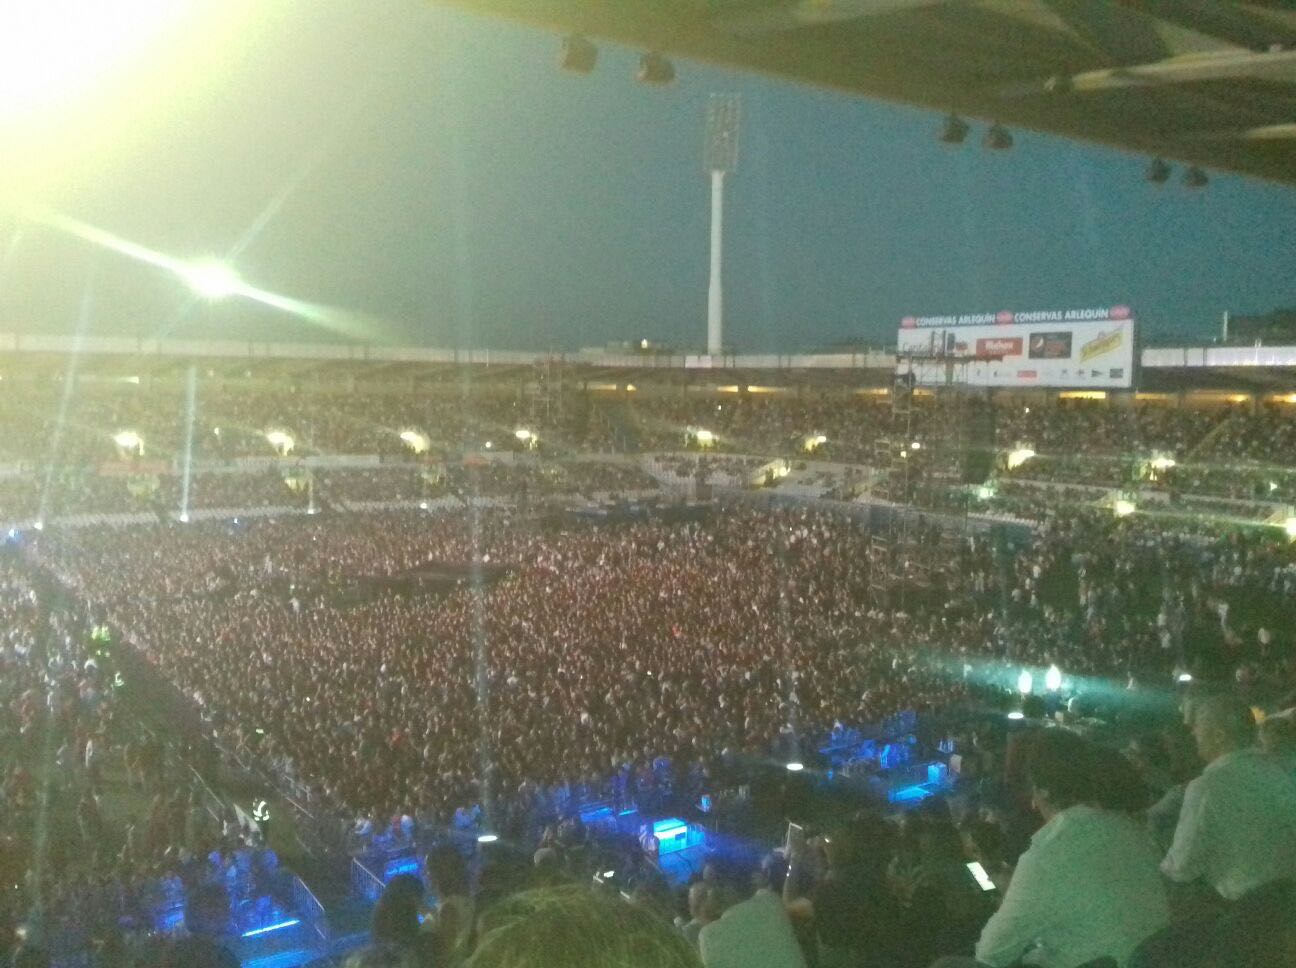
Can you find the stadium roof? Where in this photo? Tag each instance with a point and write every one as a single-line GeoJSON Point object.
{"type": "Point", "coordinates": [1212, 82]}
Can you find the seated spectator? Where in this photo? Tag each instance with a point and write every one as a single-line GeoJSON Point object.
{"type": "Point", "coordinates": [755, 933]}
{"type": "Point", "coordinates": [1088, 886]}
{"type": "Point", "coordinates": [571, 927]}
{"type": "Point", "coordinates": [1237, 829]}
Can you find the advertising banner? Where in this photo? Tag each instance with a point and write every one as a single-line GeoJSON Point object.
{"type": "Point", "coordinates": [1075, 348]}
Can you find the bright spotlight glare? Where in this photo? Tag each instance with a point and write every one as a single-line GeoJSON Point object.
{"type": "Point", "coordinates": [523, 434]}
{"type": "Point", "coordinates": [416, 441]}
{"type": "Point", "coordinates": [1290, 527]}
{"type": "Point", "coordinates": [1184, 677]}
{"type": "Point", "coordinates": [487, 838]}
{"type": "Point", "coordinates": [1123, 508]}
{"type": "Point", "coordinates": [280, 441]}
{"type": "Point", "coordinates": [1025, 682]}
{"type": "Point", "coordinates": [57, 49]}
{"type": "Point", "coordinates": [1016, 714]}
{"type": "Point", "coordinates": [128, 440]}
{"type": "Point", "coordinates": [184, 517]}
{"type": "Point", "coordinates": [1019, 456]}
{"type": "Point", "coordinates": [211, 280]}
{"type": "Point", "coordinates": [704, 437]}
{"type": "Point", "coordinates": [1053, 679]}
{"type": "Point", "coordinates": [795, 767]}
{"type": "Point", "coordinates": [39, 525]}
{"type": "Point", "coordinates": [1162, 463]}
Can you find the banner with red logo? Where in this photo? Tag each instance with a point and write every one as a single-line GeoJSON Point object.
{"type": "Point", "coordinates": [1078, 348]}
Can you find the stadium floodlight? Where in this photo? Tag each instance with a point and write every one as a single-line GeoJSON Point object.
{"type": "Point", "coordinates": [655, 69]}
{"type": "Point", "coordinates": [1053, 679]}
{"type": "Point", "coordinates": [1124, 507]}
{"type": "Point", "coordinates": [129, 440]}
{"type": "Point", "coordinates": [1019, 456]}
{"type": "Point", "coordinates": [487, 838]}
{"type": "Point", "coordinates": [416, 441]}
{"type": "Point", "coordinates": [796, 766]}
{"type": "Point", "coordinates": [954, 131]}
{"type": "Point", "coordinates": [997, 138]}
{"type": "Point", "coordinates": [1194, 177]}
{"type": "Point", "coordinates": [211, 280]}
{"type": "Point", "coordinates": [578, 55]}
{"type": "Point", "coordinates": [280, 441]}
{"type": "Point", "coordinates": [1025, 682]}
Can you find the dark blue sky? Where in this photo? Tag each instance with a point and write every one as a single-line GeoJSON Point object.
{"type": "Point", "coordinates": [452, 182]}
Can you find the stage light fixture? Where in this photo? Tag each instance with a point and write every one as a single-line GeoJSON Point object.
{"type": "Point", "coordinates": [1053, 679]}
{"type": "Point", "coordinates": [1158, 172]}
{"type": "Point", "coordinates": [211, 280]}
{"type": "Point", "coordinates": [1194, 177]}
{"type": "Point", "coordinates": [578, 55]}
{"type": "Point", "coordinates": [998, 138]}
{"type": "Point", "coordinates": [655, 69]}
{"type": "Point", "coordinates": [954, 131]}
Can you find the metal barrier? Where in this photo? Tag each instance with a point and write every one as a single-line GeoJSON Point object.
{"type": "Point", "coordinates": [312, 913]}
{"type": "Point", "coordinates": [364, 882]}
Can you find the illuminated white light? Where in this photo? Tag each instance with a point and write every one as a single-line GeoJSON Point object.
{"type": "Point", "coordinates": [416, 441]}
{"type": "Point", "coordinates": [704, 437]}
{"type": "Point", "coordinates": [423, 505]}
{"type": "Point", "coordinates": [795, 767]}
{"type": "Point", "coordinates": [1184, 677]}
{"type": "Point", "coordinates": [291, 922]}
{"type": "Point", "coordinates": [1124, 508]}
{"type": "Point", "coordinates": [1016, 714]}
{"type": "Point", "coordinates": [184, 517]}
{"type": "Point", "coordinates": [1025, 682]}
{"type": "Point", "coordinates": [916, 445]}
{"type": "Point", "coordinates": [985, 492]}
{"type": "Point", "coordinates": [280, 441]}
{"type": "Point", "coordinates": [211, 280]}
{"type": "Point", "coordinates": [1162, 463]}
{"type": "Point", "coordinates": [487, 838]}
{"type": "Point", "coordinates": [39, 525]}
{"type": "Point", "coordinates": [524, 435]}
{"type": "Point", "coordinates": [1019, 456]}
{"type": "Point", "coordinates": [55, 50]}
{"type": "Point", "coordinates": [128, 440]}
{"type": "Point", "coordinates": [489, 445]}
{"type": "Point", "coordinates": [1053, 679]}
{"type": "Point", "coordinates": [608, 875]}
{"type": "Point", "coordinates": [1290, 527]}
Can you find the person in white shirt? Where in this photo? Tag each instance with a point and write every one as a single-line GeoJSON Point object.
{"type": "Point", "coordinates": [754, 934]}
{"type": "Point", "coordinates": [1237, 828]}
{"type": "Point", "coordinates": [1088, 886]}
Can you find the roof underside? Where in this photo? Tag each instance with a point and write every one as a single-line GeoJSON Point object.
{"type": "Point", "coordinates": [1211, 82]}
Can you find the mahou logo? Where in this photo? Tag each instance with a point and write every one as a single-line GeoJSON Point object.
{"type": "Point", "coordinates": [1003, 317]}
{"type": "Point", "coordinates": [1119, 312]}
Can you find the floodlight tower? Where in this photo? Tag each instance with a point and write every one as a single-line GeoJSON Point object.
{"type": "Point", "coordinates": [723, 112]}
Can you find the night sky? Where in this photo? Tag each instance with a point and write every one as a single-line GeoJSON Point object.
{"type": "Point", "coordinates": [437, 174]}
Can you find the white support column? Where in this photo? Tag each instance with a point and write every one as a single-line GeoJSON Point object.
{"type": "Point", "coordinates": [715, 292]}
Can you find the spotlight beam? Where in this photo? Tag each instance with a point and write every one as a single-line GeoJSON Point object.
{"type": "Point", "coordinates": [204, 276]}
